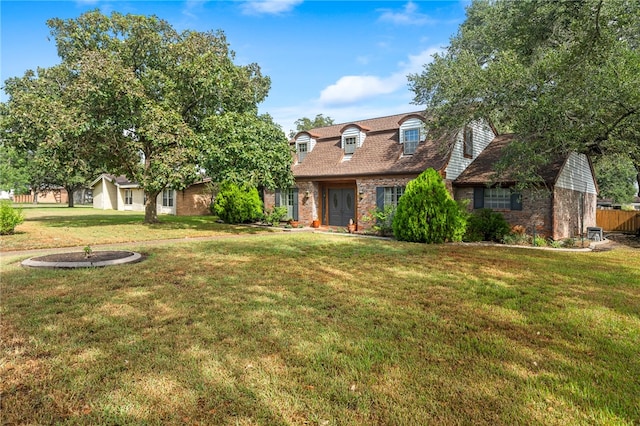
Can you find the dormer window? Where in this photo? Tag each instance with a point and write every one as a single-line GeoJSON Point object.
{"type": "Point", "coordinates": [302, 151]}
{"type": "Point", "coordinates": [467, 142]}
{"type": "Point", "coordinates": [410, 138]}
{"type": "Point", "coordinates": [350, 145]}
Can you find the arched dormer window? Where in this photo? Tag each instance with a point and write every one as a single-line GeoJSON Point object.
{"type": "Point", "coordinates": [412, 132]}
{"type": "Point", "coordinates": [305, 142]}
{"type": "Point", "coordinates": [353, 136]}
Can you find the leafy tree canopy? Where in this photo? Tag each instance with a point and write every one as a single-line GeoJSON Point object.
{"type": "Point", "coordinates": [305, 123]}
{"type": "Point", "coordinates": [142, 96]}
{"type": "Point", "coordinates": [562, 75]}
{"type": "Point", "coordinates": [616, 178]}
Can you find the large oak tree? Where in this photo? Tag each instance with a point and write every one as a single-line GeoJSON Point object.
{"type": "Point", "coordinates": [144, 96]}
{"type": "Point", "coordinates": [562, 75]}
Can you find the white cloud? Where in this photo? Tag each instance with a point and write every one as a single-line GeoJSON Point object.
{"type": "Point", "coordinates": [409, 15]}
{"type": "Point", "coordinates": [272, 7]}
{"type": "Point", "coordinates": [352, 88]}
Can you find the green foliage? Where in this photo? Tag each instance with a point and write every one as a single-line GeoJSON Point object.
{"type": "Point", "coordinates": [616, 176]}
{"type": "Point", "coordinates": [246, 148]}
{"type": "Point", "coordinates": [10, 217]}
{"type": "Point", "coordinates": [305, 123]}
{"type": "Point", "coordinates": [275, 215]}
{"type": "Point", "coordinates": [539, 241]}
{"type": "Point", "coordinates": [427, 213]}
{"type": "Point", "coordinates": [486, 225]}
{"type": "Point", "coordinates": [516, 239]}
{"type": "Point", "coordinates": [132, 95]}
{"type": "Point", "coordinates": [237, 204]}
{"type": "Point", "coordinates": [382, 220]}
{"type": "Point", "coordinates": [562, 75]}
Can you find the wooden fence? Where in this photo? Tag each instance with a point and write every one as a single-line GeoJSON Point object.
{"type": "Point", "coordinates": [618, 220]}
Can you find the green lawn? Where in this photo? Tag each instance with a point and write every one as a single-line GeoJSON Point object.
{"type": "Point", "coordinates": [51, 226]}
{"type": "Point", "coordinates": [305, 328]}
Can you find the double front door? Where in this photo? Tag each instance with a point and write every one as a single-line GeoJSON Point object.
{"type": "Point", "coordinates": [342, 206]}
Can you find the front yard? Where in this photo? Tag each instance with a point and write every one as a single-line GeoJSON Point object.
{"type": "Point", "coordinates": [300, 328]}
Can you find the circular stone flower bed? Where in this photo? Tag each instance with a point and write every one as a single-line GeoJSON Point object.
{"type": "Point", "coordinates": [81, 260]}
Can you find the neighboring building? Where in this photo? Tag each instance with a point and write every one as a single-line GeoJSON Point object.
{"type": "Point", "coordinates": [564, 208]}
{"type": "Point", "coordinates": [47, 196]}
{"type": "Point", "coordinates": [118, 193]}
{"type": "Point", "coordinates": [346, 171]}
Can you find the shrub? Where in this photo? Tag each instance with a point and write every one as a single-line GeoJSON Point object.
{"type": "Point", "coordinates": [275, 215]}
{"type": "Point", "coordinates": [9, 218]}
{"type": "Point", "coordinates": [516, 239]}
{"type": "Point", "coordinates": [427, 213]}
{"type": "Point", "coordinates": [237, 204]}
{"type": "Point", "coordinates": [486, 225]}
{"type": "Point", "coordinates": [382, 220]}
{"type": "Point", "coordinates": [539, 241]}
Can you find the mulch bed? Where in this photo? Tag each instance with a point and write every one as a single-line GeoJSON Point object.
{"type": "Point", "coordinates": [77, 256]}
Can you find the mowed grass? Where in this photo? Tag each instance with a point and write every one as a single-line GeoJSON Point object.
{"type": "Point", "coordinates": [325, 330]}
{"type": "Point", "coordinates": [46, 227]}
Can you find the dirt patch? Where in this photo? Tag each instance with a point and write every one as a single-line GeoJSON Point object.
{"type": "Point", "coordinates": [96, 256]}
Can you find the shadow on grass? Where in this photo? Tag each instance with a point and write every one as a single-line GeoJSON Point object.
{"type": "Point", "coordinates": [328, 330]}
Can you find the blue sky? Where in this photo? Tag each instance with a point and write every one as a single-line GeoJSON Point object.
{"type": "Point", "coordinates": [344, 59]}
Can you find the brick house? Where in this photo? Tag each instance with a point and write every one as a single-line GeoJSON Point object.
{"type": "Point", "coordinates": [565, 207]}
{"type": "Point", "coordinates": [346, 171]}
{"type": "Point", "coordinates": [118, 193]}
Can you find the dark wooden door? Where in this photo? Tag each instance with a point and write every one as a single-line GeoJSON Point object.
{"type": "Point", "coordinates": [342, 206]}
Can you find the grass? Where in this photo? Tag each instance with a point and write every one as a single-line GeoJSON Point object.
{"type": "Point", "coordinates": [328, 330]}
{"type": "Point", "coordinates": [46, 227]}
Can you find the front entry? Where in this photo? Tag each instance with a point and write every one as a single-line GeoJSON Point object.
{"type": "Point", "coordinates": [341, 206]}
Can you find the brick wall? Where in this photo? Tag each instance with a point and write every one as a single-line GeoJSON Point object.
{"type": "Point", "coordinates": [193, 200]}
{"type": "Point", "coordinates": [366, 195]}
{"type": "Point", "coordinates": [536, 210]}
{"type": "Point", "coordinates": [568, 213]}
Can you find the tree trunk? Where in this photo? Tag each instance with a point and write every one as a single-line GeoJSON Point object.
{"type": "Point", "coordinates": [150, 208]}
{"type": "Point", "coordinates": [70, 192]}
{"type": "Point", "coordinates": [638, 179]}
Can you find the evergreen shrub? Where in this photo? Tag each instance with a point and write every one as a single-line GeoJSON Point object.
{"type": "Point", "coordinates": [427, 213]}
{"type": "Point", "coordinates": [9, 218]}
{"type": "Point", "coordinates": [237, 204]}
{"type": "Point", "coordinates": [486, 225]}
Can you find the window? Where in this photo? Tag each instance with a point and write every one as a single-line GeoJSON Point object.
{"type": "Point", "coordinates": [167, 198]}
{"type": "Point", "coordinates": [350, 145]}
{"type": "Point", "coordinates": [128, 196]}
{"type": "Point", "coordinates": [302, 151]}
{"type": "Point", "coordinates": [468, 142]}
{"type": "Point", "coordinates": [497, 199]}
{"type": "Point", "coordinates": [289, 199]}
{"type": "Point", "coordinates": [388, 196]}
{"type": "Point", "coordinates": [410, 138]}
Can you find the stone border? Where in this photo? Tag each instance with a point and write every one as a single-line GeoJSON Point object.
{"type": "Point", "coordinates": [33, 263]}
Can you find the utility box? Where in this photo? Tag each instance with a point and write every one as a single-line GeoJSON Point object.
{"type": "Point", "coordinates": [594, 233]}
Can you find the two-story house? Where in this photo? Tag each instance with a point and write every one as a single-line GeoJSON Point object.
{"type": "Point", "coordinates": [346, 171]}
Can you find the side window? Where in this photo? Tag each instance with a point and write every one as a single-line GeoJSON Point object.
{"type": "Point", "coordinates": [468, 142]}
{"type": "Point", "coordinates": [167, 198]}
{"type": "Point", "coordinates": [388, 196]}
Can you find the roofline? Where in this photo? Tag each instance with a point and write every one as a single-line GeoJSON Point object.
{"type": "Point", "coordinates": [367, 174]}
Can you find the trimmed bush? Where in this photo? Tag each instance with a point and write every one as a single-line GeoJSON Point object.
{"type": "Point", "coordinates": [427, 213]}
{"type": "Point", "coordinates": [9, 218]}
{"type": "Point", "coordinates": [237, 204]}
{"type": "Point", "coordinates": [486, 225]}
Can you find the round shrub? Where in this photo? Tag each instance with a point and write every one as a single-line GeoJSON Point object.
{"type": "Point", "coordinates": [427, 213]}
{"type": "Point", "coordinates": [237, 204]}
{"type": "Point", "coordinates": [486, 225]}
{"type": "Point", "coordinates": [9, 218]}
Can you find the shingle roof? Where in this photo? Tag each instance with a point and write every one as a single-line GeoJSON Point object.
{"type": "Point", "coordinates": [381, 152]}
{"type": "Point", "coordinates": [482, 171]}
